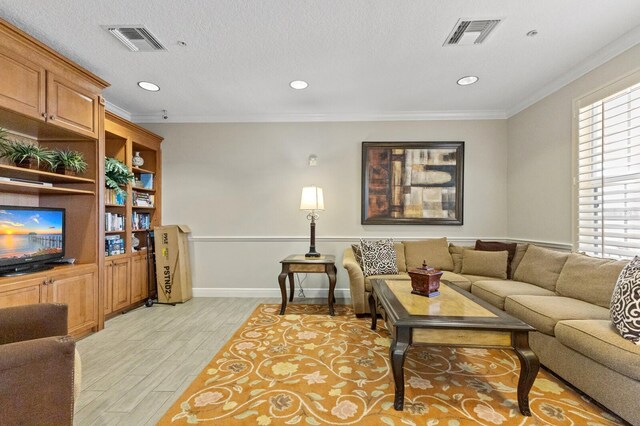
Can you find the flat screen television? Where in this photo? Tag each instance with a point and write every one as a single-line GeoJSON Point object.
{"type": "Point", "coordinates": [29, 238]}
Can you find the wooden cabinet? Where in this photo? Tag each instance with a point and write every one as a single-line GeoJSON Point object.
{"type": "Point", "coordinates": [107, 285]}
{"type": "Point", "coordinates": [139, 285]}
{"type": "Point", "coordinates": [120, 283]}
{"type": "Point", "coordinates": [71, 106]}
{"type": "Point", "coordinates": [22, 85]}
{"type": "Point", "coordinates": [24, 292]}
{"type": "Point", "coordinates": [75, 286]}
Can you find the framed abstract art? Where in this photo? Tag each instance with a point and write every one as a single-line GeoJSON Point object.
{"type": "Point", "coordinates": [412, 183]}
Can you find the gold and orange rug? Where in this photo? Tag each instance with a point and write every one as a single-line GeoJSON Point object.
{"type": "Point", "coordinates": [307, 368]}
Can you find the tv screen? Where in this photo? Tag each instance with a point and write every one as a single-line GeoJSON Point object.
{"type": "Point", "coordinates": [30, 234]}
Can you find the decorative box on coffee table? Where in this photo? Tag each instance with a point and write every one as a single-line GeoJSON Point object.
{"type": "Point", "coordinates": [425, 280]}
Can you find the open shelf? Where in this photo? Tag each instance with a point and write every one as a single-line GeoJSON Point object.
{"type": "Point", "coordinates": [143, 208]}
{"type": "Point", "coordinates": [135, 188]}
{"type": "Point", "coordinates": [40, 175]}
{"type": "Point", "coordinates": [142, 230]}
{"type": "Point", "coordinates": [115, 205]}
{"type": "Point", "coordinates": [115, 232]}
{"type": "Point", "coordinates": [35, 189]}
{"type": "Point", "coordinates": [139, 170]}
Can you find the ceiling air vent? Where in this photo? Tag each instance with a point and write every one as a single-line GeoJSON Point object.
{"type": "Point", "coordinates": [136, 37]}
{"type": "Point", "coordinates": [468, 31]}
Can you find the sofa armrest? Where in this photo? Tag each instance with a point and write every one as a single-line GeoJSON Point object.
{"type": "Point", "coordinates": [356, 282]}
{"type": "Point", "coordinates": [36, 381]}
{"type": "Point", "coordinates": [30, 322]}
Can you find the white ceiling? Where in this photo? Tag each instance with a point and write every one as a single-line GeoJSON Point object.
{"type": "Point", "coordinates": [363, 59]}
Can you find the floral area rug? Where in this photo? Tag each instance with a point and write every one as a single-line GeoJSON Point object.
{"type": "Point", "coordinates": [309, 368]}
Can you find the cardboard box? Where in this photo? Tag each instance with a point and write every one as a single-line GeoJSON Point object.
{"type": "Point", "coordinates": [173, 270]}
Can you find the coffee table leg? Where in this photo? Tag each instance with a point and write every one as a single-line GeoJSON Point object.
{"type": "Point", "coordinates": [398, 352]}
{"type": "Point", "coordinates": [529, 366]}
{"type": "Point", "coordinates": [283, 291]}
{"type": "Point", "coordinates": [372, 309]}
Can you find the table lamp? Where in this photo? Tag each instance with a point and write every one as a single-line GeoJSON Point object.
{"type": "Point", "coordinates": [312, 200]}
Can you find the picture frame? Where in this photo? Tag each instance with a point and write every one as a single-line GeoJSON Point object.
{"type": "Point", "coordinates": [412, 183]}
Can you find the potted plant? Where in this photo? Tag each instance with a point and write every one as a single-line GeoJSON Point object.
{"type": "Point", "coordinates": [116, 174]}
{"type": "Point", "coordinates": [26, 154]}
{"type": "Point", "coordinates": [69, 162]}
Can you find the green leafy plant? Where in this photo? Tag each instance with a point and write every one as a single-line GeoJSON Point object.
{"type": "Point", "coordinates": [25, 153]}
{"type": "Point", "coordinates": [70, 160]}
{"type": "Point", "coordinates": [117, 173]}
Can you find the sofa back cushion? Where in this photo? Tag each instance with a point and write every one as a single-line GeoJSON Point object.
{"type": "Point", "coordinates": [485, 263]}
{"type": "Point", "coordinates": [590, 279]}
{"type": "Point", "coordinates": [434, 251]}
{"type": "Point", "coordinates": [499, 246]}
{"type": "Point", "coordinates": [517, 258]}
{"type": "Point", "coordinates": [456, 256]}
{"type": "Point", "coordinates": [541, 266]}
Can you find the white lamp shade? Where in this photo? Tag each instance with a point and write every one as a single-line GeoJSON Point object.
{"type": "Point", "coordinates": [312, 198]}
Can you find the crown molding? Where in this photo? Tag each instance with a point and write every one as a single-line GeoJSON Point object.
{"type": "Point", "coordinates": [333, 117]}
{"type": "Point", "coordinates": [121, 112]}
{"type": "Point", "coordinates": [610, 51]}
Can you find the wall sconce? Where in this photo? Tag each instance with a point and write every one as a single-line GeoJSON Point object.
{"type": "Point", "coordinates": [313, 160]}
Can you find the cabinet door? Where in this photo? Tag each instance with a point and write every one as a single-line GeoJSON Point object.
{"type": "Point", "coordinates": [71, 106]}
{"type": "Point", "coordinates": [78, 291]}
{"type": "Point", "coordinates": [121, 282]}
{"type": "Point", "coordinates": [108, 287]}
{"type": "Point", "coordinates": [22, 293]}
{"type": "Point", "coordinates": [139, 290]}
{"type": "Point", "coordinates": [22, 85]}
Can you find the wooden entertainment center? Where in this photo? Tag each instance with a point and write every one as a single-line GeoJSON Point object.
{"type": "Point", "coordinates": [47, 99]}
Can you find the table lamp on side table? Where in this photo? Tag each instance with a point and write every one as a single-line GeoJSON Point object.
{"type": "Point", "coordinates": [312, 200]}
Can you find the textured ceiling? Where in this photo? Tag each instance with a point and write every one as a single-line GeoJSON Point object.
{"type": "Point", "coordinates": [363, 59]}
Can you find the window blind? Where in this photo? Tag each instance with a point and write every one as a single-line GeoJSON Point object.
{"type": "Point", "coordinates": [608, 175]}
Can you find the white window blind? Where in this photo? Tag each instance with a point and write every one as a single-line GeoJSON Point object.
{"type": "Point", "coordinates": [608, 175]}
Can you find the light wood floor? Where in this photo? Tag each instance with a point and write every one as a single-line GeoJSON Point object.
{"type": "Point", "coordinates": [135, 369]}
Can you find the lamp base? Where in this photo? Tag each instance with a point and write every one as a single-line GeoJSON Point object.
{"type": "Point", "coordinates": [312, 253]}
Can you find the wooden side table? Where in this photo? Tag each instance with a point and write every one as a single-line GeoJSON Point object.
{"type": "Point", "coordinates": [325, 264]}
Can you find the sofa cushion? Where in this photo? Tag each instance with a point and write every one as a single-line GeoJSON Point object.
{"type": "Point", "coordinates": [401, 276]}
{"type": "Point", "coordinates": [625, 302]}
{"type": "Point", "coordinates": [456, 279]}
{"type": "Point", "coordinates": [496, 291]}
{"type": "Point", "coordinates": [598, 340]}
{"type": "Point", "coordinates": [544, 312]}
{"type": "Point", "coordinates": [589, 278]}
{"type": "Point", "coordinates": [499, 246]}
{"type": "Point", "coordinates": [400, 261]}
{"type": "Point", "coordinates": [456, 256]}
{"type": "Point", "coordinates": [541, 266]}
{"type": "Point", "coordinates": [434, 251]}
{"type": "Point", "coordinates": [517, 258]}
{"type": "Point", "coordinates": [488, 263]}
{"type": "Point", "coordinates": [378, 257]}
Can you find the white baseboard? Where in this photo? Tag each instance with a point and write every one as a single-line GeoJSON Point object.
{"type": "Point", "coordinates": [340, 293]}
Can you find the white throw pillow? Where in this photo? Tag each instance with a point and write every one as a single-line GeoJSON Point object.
{"type": "Point", "coordinates": [378, 257]}
{"type": "Point", "coordinates": [625, 302]}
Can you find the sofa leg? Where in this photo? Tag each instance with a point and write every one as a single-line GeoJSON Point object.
{"type": "Point", "coordinates": [363, 315]}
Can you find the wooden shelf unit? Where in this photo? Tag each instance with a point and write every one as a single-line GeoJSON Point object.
{"type": "Point", "coordinates": [122, 140]}
{"type": "Point", "coordinates": [47, 99]}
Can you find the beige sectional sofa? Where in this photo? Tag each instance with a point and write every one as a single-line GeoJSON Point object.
{"type": "Point", "coordinates": [565, 296]}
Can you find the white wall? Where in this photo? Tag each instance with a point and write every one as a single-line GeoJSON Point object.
{"type": "Point", "coordinates": [238, 187]}
{"type": "Point", "coordinates": [539, 156]}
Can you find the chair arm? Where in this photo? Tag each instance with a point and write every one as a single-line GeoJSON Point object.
{"type": "Point", "coordinates": [356, 281]}
{"type": "Point", "coordinates": [36, 381]}
{"type": "Point", "coordinates": [30, 322]}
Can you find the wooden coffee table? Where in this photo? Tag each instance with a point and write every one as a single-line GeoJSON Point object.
{"type": "Point", "coordinates": [454, 318]}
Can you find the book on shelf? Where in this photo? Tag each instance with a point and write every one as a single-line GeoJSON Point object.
{"type": "Point", "coordinates": [113, 245]}
{"type": "Point", "coordinates": [146, 180]}
{"type": "Point", "coordinates": [141, 221]}
{"type": "Point", "coordinates": [113, 222]}
{"type": "Point", "coordinates": [112, 197]}
{"type": "Point", "coordinates": [143, 199]}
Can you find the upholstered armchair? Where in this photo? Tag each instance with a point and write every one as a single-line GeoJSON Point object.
{"type": "Point", "coordinates": [37, 365]}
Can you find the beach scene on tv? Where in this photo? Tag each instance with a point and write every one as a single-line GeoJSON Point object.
{"type": "Point", "coordinates": [28, 233]}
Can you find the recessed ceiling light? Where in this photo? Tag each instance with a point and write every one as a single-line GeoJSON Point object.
{"type": "Point", "coordinates": [465, 81]}
{"type": "Point", "coordinates": [532, 33]}
{"type": "Point", "coordinates": [298, 84]}
{"type": "Point", "coordinates": [148, 86]}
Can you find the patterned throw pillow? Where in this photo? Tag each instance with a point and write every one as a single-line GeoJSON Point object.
{"type": "Point", "coordinates": [625, 302]}
{"type": "Point", "coordinates": [378, 257]}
